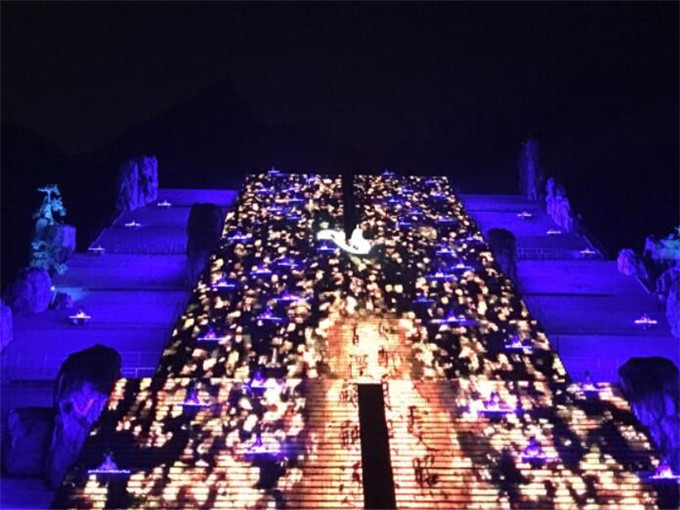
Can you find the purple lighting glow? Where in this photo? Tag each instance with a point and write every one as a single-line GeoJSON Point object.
{"type": "Point", "coordinates": [268, 316]}
{"type": "Point", "coordinates": [517, 344]}
{"type": "Point", "coordinates": [645, 321]}
{"type": "Point", "coordinates": [440, 275]}
{"type": "Point", "coordinates": [239, 237]}
{"type": "Point", "coordinates": [80, 318]}
{"type": "Point", "coordinates": [456, 320]}
{"type": "Point", "coordinates": [97, 250]}
{"type": "Point", "coordinates": [287, 263]}
{"type": "Point", "coordinates": [423, 300]}
{"type": "Point", "coordinates": [261, 271]}
{"type": "Point", "coordinates": [288, 298]}
{"type": "Point", "coordinates": [108, 467]}
{"type": "Point", "coordinates": [325, 247]}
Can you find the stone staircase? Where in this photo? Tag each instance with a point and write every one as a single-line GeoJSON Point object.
{"type": "Point", "coordinates": [301, 442]}
{"type": "Point", "coordinates": [369, 350]}
{"type": "Point", "coordinates": [442, 458]}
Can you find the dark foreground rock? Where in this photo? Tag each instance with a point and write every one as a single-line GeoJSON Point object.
{"type": "Point", "coordinates": [30, 292]}
{"type": "Point", "coordinates": [6, 332]}
{"type": "Point", "coordinates": [652, 387]}
{"type": "Point", "coordinates": [83, 387]}
{"type": "Point", "coordinates": [204, 230]}
{"type": "Point", "coordinates": [137, 183]}
{"type": "Point", "coordinates": [27, 437]}
{"type": "Point", "coordinates": [673, 302]}
{"type": "Point", "coordinates": [503, 245]}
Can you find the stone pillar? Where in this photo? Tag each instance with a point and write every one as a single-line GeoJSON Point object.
{"type": "Point", "coordinates": [204, 230]}
{"type": "Point", "coordinates": [652, 388]}
{"type": "Point", "coordinates": [503, 246]}
{"type": "Point", "coordinates": [530, 175]}
{"type": "Point", "coordinates": [137, 183]}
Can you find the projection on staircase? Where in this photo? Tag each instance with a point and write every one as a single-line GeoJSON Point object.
{"type": "Point", "coordinates": [255, 401]}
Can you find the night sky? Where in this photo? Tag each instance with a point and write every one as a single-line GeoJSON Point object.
{"type": "Point", "coordinates": [446, 87]}
{"type": "Point", "coordinates": [367, 74]}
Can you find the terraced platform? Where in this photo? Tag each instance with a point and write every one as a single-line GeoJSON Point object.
{"type": "Point", "coordinates": [134, 293]}
{"type": "Point", "coordinates": [587, 308]}
{"type": "Point", "coordinates": [255, 402]}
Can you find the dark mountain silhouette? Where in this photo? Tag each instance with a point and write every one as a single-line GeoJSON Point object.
{"type": "Point", "coordinates": [610, 162]}
{"type": "Point", "coordinates": [212, 140]}
{"type": "Point", "coordinates": [204, 139]}
{"type": "Point", "coordinates": [621, 173]}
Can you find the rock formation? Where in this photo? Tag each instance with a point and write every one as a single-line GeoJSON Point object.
{"type": "Point", "coordinates": [30, 291]}
{"type": "Point", "coordinates": [652, 387]}
{"type": "Point", "coordinates": [530, 174]}
{"type": "Point", "coordinates": [558, 206]}
{"type": "Point", "coordinates": [137, 183]}
{"type": "Point", "coordinates": [203, 232]}
{"type": "Point", "coordinates": [503, 245]}
{"type": "Point", "coordinates": [83, 387]}
{"type": "Point", "coordinates": [628, 263]}
{"type": "Point", "coordinates": [27, 436]}
{"type": "Point", "coordinates": [53, 241]}
{"type": "Point", "coordinates": [673, 302]}
{"type": "Point", "coordinates": [6, 332]}
{"type": "Point", "coordinates": [661, 257]}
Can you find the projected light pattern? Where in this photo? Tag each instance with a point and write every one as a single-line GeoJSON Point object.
{"type": "Point", "coordinates": [461, 444]}
{"type": "Point", "coordinates": [472, 309]}
{"type": "Point", "coordinates": [264, 256]}
{"type": "Point", "coordinates": [280, 445]}
{"type": "Point", "coordinates": [255, 401]}
{"type": "Point", "coordinates": [444, 457]}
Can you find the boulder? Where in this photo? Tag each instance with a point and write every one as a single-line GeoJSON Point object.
{"type": "Point", "coordinates": [6, 333]}
{"type": "Point", "coordinates": [204, 230]}
{"type": "Point", "coordinates": [30, 292]}
{"type": "Point", "coordinates": [627, 262]}
{"type": "Point", "coordinates": [673, 304]}
{"type": "Point", "coordinates": [137, 183]}
{"type": "Point", "coordinates": [503, 245]}
{"type": "Point", "coordinates": [652, 387]}
{"type": "Point", "coordinates": [27, 437]}
{"type": "Point", "coordinates": [83, 387]}
{"type": "Point", "coordinates": [61, 301]}
{"type": "Point", "coordinates": [530, 175]}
